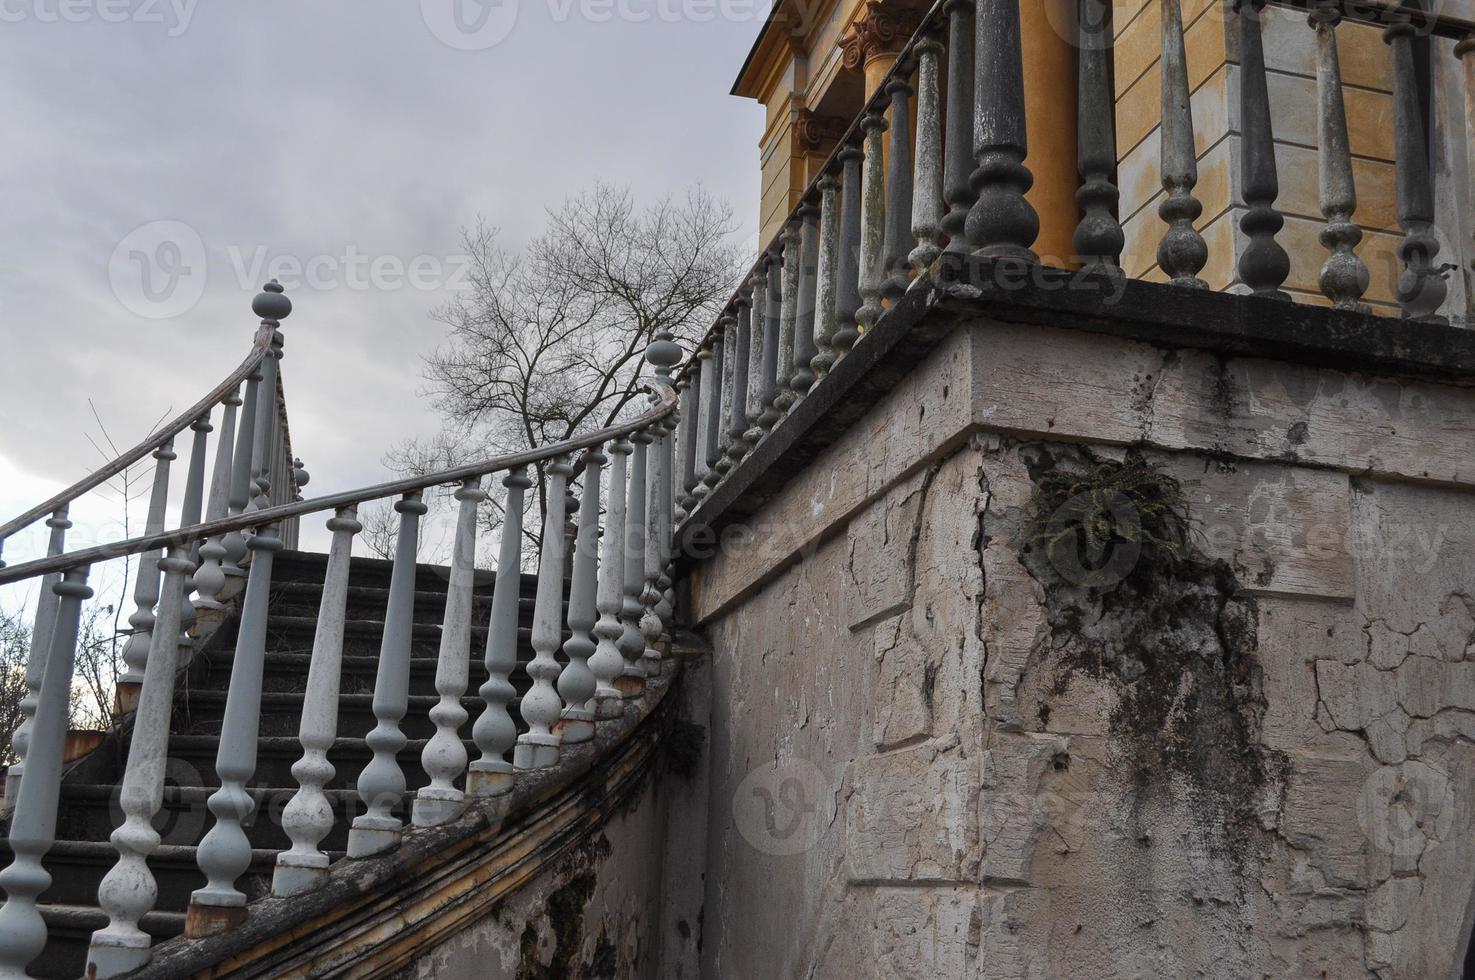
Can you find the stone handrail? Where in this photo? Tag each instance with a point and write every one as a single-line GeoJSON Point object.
{"type": "Point", "coordinates": [875, 221]}
{"type": "Point", "coordinates": [619, 613]}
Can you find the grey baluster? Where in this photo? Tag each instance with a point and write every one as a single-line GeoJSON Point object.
{"type": "Point", "coordinates": [662, 355]}
{"type": "Point", "coordinates": [308, 816]}
{"type": "Point", "coordinates": [772, 327]}
{"type": "Point", "coordinates": [1421, 287]}
{"type": "Point", "coordinates": [607, 663]}
{"type": "Point", "coordinates": [872, 221]}
{"type": "Point", "coordinates": [691, 402]}
{"type": "Point", "coordinates": [577, 684]}
{"type": "Point", "coordinates": [712, 411]}
{"type": "Point", "coordinates": [225, 853]}
{"type": "Point", "coordinates": [191, 509]}
{"type": "Point", "coordinates": [1098, 237]}
{"type": "Point", "coordinates": [897, 241]}
{"type": "Point", "coordinates": [1344, 276]}
{"type": "Point", "coordinates": [33, 821]}
{"type": "Point", "coordinates": [495, 732]}
{"type": "Point", "coordinates": [1002, 223]}
{"type": "Point", "coordinates": [927, 206]}
{"type": "Point", "coordinates": [756, 386]}
{"type": "Point", "coordinates": [1182, 253]}
{"type": "Point", "coordinates": [47, 602]}
{"type": "Point", "coordinates": [210, 575]}
{"type": "Point", "coordinates": [827, 278]}
{"type": "Point", "coordinates": [801, 378]}
{"type": "Point", "coordinates": [146, 586]}
{"type": "Point", "coordinates": [537, 748]}
{"type": "Point", "coordinates": [444, 756]}
{"type": "Point", "coordinates": [737, 427]}
{"type": "Point", "coordinates": [381, 785]}
{"type": "Point", "coordinates": [1465, 51]}
{"type": "Point", "coordinates": [128, 892]}
{"type": "Point", "coordinates": [651, 622]}
{"type": "Point", "coordinates": [234, 542]}
{"type": "Point", "coordinates": [732, 353]}
{"type": "Point", "coordinates": [632, 643]}
{"type": "Point", "coordinates": [264, 428]}
{"type": "Point", "coordinates": [847, 297]}
{"type": "Point", "coordinates": [958, 129]}
{"type": "Point", "coordinates": [701, 405]}
{"type": "Point", "coordinates": [788, 320]}
{"type": "Point", "coordinates": [683, 403]}
{"type": "Point", "coordinates": [1263, 265]}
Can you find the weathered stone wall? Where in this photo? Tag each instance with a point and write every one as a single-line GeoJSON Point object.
{"type": "Point", "coordinates": [940, 748]}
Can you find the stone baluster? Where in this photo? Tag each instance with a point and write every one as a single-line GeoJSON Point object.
{"type": "Point", "coordinates": [703, 403]}
{"type": "Point", "coordinates": [631, 642]}
{"type": "Point", "coordinates": [788, 319]}
{"type": "Point", "coordinates": [712, 410]}
{"type": "Point", "coordinates": [731, 355]}
{"type": "Point", "coordinates": [381, 785]}
{"type": "Point", "coordinates": [1263, 265]}
{"type": "Point", "coordinates": [772, 326]}
{"type": "Point", "coordinates": [264, 429]}
{"type": "Point", "coordinates": [737, 427]}
{"type": "Point", "coordinates": [1098, 237]}
{"type": "Point", "coordinates": [444, 756]}
{"type": "Point", "coordinates": [662, 354]}
{"type": "Point", "coordinates": [494, 731]}
{"type": "Point", "coordinates": [802, 377]}
{"type": "Point", "coordinates": [897, 240]}
{"type": "Point", "coordinates": [537, 748]}
{"type": "Point", "coordinates": [827, 275]}
{"type": "Point", "coordinates": [32, 828]}
{"type": "Point", "coordinates": [128, 891]}
{"type": "Point", "coordinates": [234, 542]}
{"type": "Point", "coordinates": [225, 853]}
{"type": "Point", "coordinates": [210, 575]}
{"type": "Point", "coordinates": [1344, 276]}
{"type": "Point", "coordinates": [684, 395]}
{"type": "Point", "coordinates": [1465, 51]}
{"type": "Point", "coordinates": [1182, 253]}
{"type": "Point", "coordinates": [665, 581]}
{"type": "Point", "coordinates": [693, 399]}
{"type": "Point", "coordinates": [146, 586]}
{"type": "Point", "coordinates": [608, 663]}
{"type": "Point", "coordinates": [191, 509]}
{"type": "Point", "coordinates": [927, 205]}
{"type": "Point", "coordinates": [958, 129]}
{"type": "Point", "coordinates": [308, 816]}
{"type": "Point", "coordinates": [847, 295]}
{"type": "Point", "coordinates": [47, 602]}
{"type": "Point", "coordinates": [756, 386]}
{"type": "Point", "coordinates": [1002, 223]}
{"type": "Point", "coordinates": [1421, 287]}
{"type": "Point", "coordinates": [577, 685]}
{"type": "Point", "coordinates": [872, 220]}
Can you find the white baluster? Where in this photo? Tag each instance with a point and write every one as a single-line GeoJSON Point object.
{"type": "Point", "coordinates": [210, 575]}
{"type": "Point", "coordinates": [146, 586]}
{"type": "Point", "coordinates": [234, 542]}
{"type": "Point", "coordinates": [494, 731]}
{"type": "Point", "coordinates": [381, 785]}
{"type": "Point", "coordinates": [308, 816]}
{"type": "Point", "coordinates": [46, 605]}
{"type": "Point", "coordinates": [577, 685]}
{"type": "Point", "coordinates": [225, 853]}
{"type": "Point", "coordinates": [537, 748]}
{"type": "Point", "coordinates": [33, 823]}
{"type": "Point", "coordinates": [444, 757]}
{"type": "Point", "coordinates": [631, 642]}
{"type": "Point", "coordinates": [191, 509]}
{"type": "Point", "coordinates": [607, 663]}
{"type": "Point", "coordinates": [128, 891]}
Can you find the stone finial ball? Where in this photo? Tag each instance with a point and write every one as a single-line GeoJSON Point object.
{"type": "Point", "coordinates": [272, 303]}
{"type": "Point", "coordinates": [663, 353]}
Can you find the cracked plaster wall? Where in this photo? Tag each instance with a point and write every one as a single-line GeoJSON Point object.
{"type": "Point", "coordinates": [910, 780]}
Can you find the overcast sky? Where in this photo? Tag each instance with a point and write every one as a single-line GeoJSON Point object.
{"type": "Point", "coordinates": [160, 156]}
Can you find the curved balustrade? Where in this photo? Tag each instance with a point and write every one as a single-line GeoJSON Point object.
{"type": "Point", "coordinates": [893, 200]}
{"type": "Point", "coordinates": [567, 701]}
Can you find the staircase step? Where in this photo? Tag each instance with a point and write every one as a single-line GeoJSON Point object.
{"type": "Point", "coordinates": [286, 671]}
{"type": "Point", "coordinates": [200, 712]}
{"type": "Point", "coordinates": [275, 755]}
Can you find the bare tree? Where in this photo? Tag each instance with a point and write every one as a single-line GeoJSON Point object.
{"type": "Point", "coordinates": [15, 645]}
{"type": "Point", "coordinates": [548, 342]}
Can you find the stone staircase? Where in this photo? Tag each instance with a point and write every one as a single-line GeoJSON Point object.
{"type": "Point", "coordinates": [89, 809]}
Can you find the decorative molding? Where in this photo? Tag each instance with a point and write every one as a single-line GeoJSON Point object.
{"type": "Point", "coordinates": [883, 28]}
{"type": "Point", "coordinates": [816, 132]}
